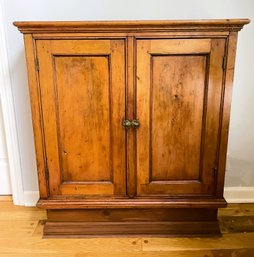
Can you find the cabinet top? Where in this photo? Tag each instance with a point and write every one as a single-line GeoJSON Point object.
{"type": "Point", "coordinates": [130, 26]}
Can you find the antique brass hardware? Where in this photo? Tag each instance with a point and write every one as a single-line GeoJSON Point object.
{"type": "Point", "coordinates": [131, 124]}
{"type": "Point", "coordinates": [135, 124]}
{"type": "Point", "coordinates": [127, 123]}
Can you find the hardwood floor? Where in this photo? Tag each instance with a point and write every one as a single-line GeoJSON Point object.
{"type": "Point", "coordinates": [21, 231]}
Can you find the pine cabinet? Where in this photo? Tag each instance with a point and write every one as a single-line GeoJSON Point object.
{"type": "Point", "coordinates": [131, 123]}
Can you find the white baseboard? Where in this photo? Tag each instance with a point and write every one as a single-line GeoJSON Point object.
{"type": "Point", "coordinates": [239, 194]}
{"type": "Point", "coordinates": [31, 198]}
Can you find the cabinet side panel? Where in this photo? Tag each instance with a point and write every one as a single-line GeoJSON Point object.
{"type": "Point", "coordinates": [226, 105]}
{"type": "Point", "coordinates": [36, 113]}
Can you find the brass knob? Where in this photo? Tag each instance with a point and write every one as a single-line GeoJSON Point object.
{"type": "Point", "coordinates": [135, 124]}
{"type": "Point", "coordinates": [131, 124]}
{"type": "Point", "coordinates": [127, 123]}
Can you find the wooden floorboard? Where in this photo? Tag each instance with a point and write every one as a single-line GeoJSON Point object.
{"type": "Point", "coordinates": [21, 236]}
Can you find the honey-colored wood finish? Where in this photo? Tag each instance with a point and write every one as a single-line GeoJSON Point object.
{"type": "Point", "coordinates": [178, 90]}
{"type": "Point", "coordinates": [35, 100]}
{"type": "Point", "coordinates": [132, 26]}
{"type": "Point", "coordinates": [82, 90]}
{"type": "Point", "coordinates": [175, 79]}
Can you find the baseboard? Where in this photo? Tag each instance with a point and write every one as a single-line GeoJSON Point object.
{"type": "Point", "coordinates": [31, 198]}
{"type": "Point", "coordinates": [239, 194]}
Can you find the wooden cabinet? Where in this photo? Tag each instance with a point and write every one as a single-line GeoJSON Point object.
{"type": "Point", "coordinates": [130, 123]}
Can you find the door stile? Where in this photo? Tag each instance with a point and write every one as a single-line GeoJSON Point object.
{"type": "Point", "coordinates": [131, 114]}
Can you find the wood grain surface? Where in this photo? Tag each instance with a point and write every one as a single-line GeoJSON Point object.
{"type": "Point", "coordinates": [83, 105]}
{"type": "Point", "coordinates": [179, 88]}
{"type": "Point", "coordinates": [132, 26]}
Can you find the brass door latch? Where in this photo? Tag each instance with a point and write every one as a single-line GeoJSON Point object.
{"type": "Point", "coordinates": [131, 124]}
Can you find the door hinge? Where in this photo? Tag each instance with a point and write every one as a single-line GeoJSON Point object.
{"type": "Point", "coordinates": [224, 62]}
{"type": "Point", "coordinates": [215, 171]}
{"type": "Point", "coordinates": [47, 172]}
{"type": "Point", "coordinates": [37, 66]}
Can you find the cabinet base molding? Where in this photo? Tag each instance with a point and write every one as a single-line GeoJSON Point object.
{"type": "Point", "coordinates": [139, 222]}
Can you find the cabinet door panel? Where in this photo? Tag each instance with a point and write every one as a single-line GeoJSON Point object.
{"type": "Point", "coordinates": [179, 87]}
{"type": "Point", "coordinates": [175, 112]}
{"type": "Point", "coordinates": [91, 108]}
{"type": "Point", "coordinates": [82, 91]}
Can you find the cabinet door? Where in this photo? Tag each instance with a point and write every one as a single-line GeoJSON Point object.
{"type": "Point", "coordinates": [82, 84]}
{"type": "Point", "coordinates": [179, 90]}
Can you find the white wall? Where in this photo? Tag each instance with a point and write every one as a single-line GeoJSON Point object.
{"type": "Point", "coordinates": [5, 183]}
{"type": "Point", "coordinates": [241, 143]}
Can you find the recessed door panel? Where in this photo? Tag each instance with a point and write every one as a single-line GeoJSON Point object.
{"type": "Point", "coordinates": [179, 87]}
{"type": "Point", "coordinates": [177, 94]}
{"type": "Point", "coordinates": [82, 94]}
